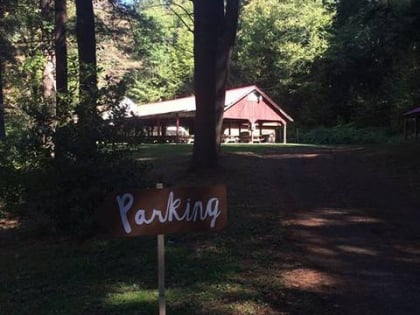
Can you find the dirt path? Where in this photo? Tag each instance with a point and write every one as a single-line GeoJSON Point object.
{"type": "Point", "coordinates": [351, 227]}
{"type": "Point", "coordinates": [353, 230]}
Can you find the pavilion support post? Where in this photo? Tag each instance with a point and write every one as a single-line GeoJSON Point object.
{"type": "Point", "coordinates": [284, 133]}
{"type": "Point", "coordinates": [251, 129]}
{"type": "Point", "coordinates": [177, 128]}
{"type": "Point", "coordinates": [158, 128]}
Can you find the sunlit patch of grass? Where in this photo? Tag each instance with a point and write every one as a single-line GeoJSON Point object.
{"type": "Point", "coordinates": [162, 151]}
{"type": "Point", "coordinates": [130, 294]}
{"type": "Point", "coordinates": [247, 308]}
{"type": "Point", "coordinates": [167, 151]}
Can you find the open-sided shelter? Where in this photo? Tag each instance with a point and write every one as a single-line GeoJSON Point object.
{"type": "Point", "coordinates": [250, 115]}
{"type": "Point", "coordinates": [412, 115]}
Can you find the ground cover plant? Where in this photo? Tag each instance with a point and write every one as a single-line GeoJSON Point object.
{"type": "Point", "coordinates": [350, 134]}
{"type": "Point", "coordinates": [312, 230]}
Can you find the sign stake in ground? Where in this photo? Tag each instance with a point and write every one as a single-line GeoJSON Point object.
{"type": "Point", "coordinates": [161, 273]}
{"type": "Point", "coordinates": [161, 268]}
{"type": "Point", "coordinates": [161, 211]}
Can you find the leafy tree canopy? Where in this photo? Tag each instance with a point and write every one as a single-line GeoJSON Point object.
{"type": "Point", "coordinates": [163, 33]}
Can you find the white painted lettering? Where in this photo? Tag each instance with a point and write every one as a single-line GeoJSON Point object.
{"type": "Point", "coordinates": [124, 204]}
{"type": "Point", "coordinates": [140, 217]}
{"type": "Point", "coordinates": [213, 210]}
{"type": "Point", "coordinates": [197, 208]}
{"type": "Point", "coordinates": [172, 206]}
{"type": "Point", "coordinates": [193, 211]}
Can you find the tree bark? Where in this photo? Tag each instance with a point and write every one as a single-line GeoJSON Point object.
{"type": "Point", "coordinates": [60, 33]}
{"type": "Point", "coordinates": [48, 81]}
{"type": "Point", "coordinates": [2, 122]}
{"type": "Point", "coordinates": [87, 113]}
{"type": "Point", "coordinates": [214, 34]}
{"type": "Point", "coordinates": [61, 74]}
{"type": "Point", "coordinates": [2, 69]}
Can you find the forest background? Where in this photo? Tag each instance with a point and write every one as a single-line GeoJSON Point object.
{"type": "Point", "coordinates": [345, 70]}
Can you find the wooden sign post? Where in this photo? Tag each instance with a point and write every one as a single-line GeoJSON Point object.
{"type": "Point", "coordinates": [161, 267]}
{"type": "Point", "coordinates": [161, 211]}
{"type": "Point", "coordinates": [161, 274]}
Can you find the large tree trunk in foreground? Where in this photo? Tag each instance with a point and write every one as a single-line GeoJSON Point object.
{"type": "Point", "coordinates": [214, 35]}
{"type": "Point", "coordinates": [87, 113]}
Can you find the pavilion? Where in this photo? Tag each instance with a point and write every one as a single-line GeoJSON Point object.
{"type": "Point", "coordinates": [412, 115]}
{"type": "Point", "coordinates": [250, 115]}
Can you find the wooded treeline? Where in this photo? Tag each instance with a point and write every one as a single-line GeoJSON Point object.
{"type": "Point", "coordinates": [328, 62]}
{"type": "Point", "coordinates": [333, 62]}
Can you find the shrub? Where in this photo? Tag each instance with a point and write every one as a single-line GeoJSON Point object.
{"type": "Point", "coordinates": [349, 134]}
{"type": "Point", "coordinates": [61, 195]}
{"type": "Point", "coordinates": [65, 197]}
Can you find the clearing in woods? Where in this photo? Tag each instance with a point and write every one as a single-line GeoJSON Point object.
{"type": "Point", "coordinates": [312, 230]}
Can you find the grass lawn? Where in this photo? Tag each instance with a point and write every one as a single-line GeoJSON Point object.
{"type": "Point", "coordinates": [203, 271]}
{"type": "Point", "coordinates": [237, 271]}
{"type": "Point", "coordinates": [167, 151]}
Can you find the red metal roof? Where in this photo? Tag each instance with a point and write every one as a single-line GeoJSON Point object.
{"type": "Point", "coordinates": [248, 102]}
{"type": "Point", "coordinates": [413, 112]}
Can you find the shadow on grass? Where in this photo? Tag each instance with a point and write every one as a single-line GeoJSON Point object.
{"type": "Point", "coordinates": [311, 231]}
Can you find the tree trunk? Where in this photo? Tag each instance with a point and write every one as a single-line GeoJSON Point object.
{"type": "Point", "coordinates": [214, 33]}
{"type": "Point", "coordinates": [2, 69]}
{"type": "Point", "coordinates": [6, 54]}
{"type": "Point", "coordinates": [48, 81]}
{"type": "Point", "coordinates": [61, 53]}
{"type": "Point", "coordinates": [61, 74]}
{"type": "Point", "coordinates": [87, 113]}
{"type": "Point", "coordinates": [2, 123]}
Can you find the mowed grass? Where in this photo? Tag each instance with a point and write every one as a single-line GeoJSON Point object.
{"type": "Point", "coordinates": [204, 271]}
{"type": "Point", "coordinates": [113, 276]}
{"type": "Point", "coordinates": [120, 276]}
{"type": "Point", "coordinates": [150, 152]}
{"type": "Point", "coordinates": [236, 271]}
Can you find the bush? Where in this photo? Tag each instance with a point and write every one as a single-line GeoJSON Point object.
{"type": "Point", "coordinates": [17, 155]}
{"type": "Point", "coordinates": [65, 197]}
{"type": "Point", "coordinates": [349, 134]}
{"type": "Point", "coordinates": [54, 197]}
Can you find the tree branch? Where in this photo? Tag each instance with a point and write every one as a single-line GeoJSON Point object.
{"type": "Point", "coordinates": [188, 14]}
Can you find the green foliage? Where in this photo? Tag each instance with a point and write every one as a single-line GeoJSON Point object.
{"type": "Point", "coordinates": [24, 149]}
{"type": "Point", "coordinates": [61, 195]}
{"type": "Point", "coordinates": [333, 62]}
{"type": "Point", "coordinates": [349, 134]}
{"type": "Point", "coordinates": [164, 44]}
{"type": "Point", "coordinates": [368, 75]}
{"type": "Point", "coordinates": [279, 41]}
{"type": "Point", "coordinates": [69, 194]}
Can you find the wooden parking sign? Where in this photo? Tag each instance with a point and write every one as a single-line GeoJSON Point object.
{"type": "Point", "coordinates": [162, 211]}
